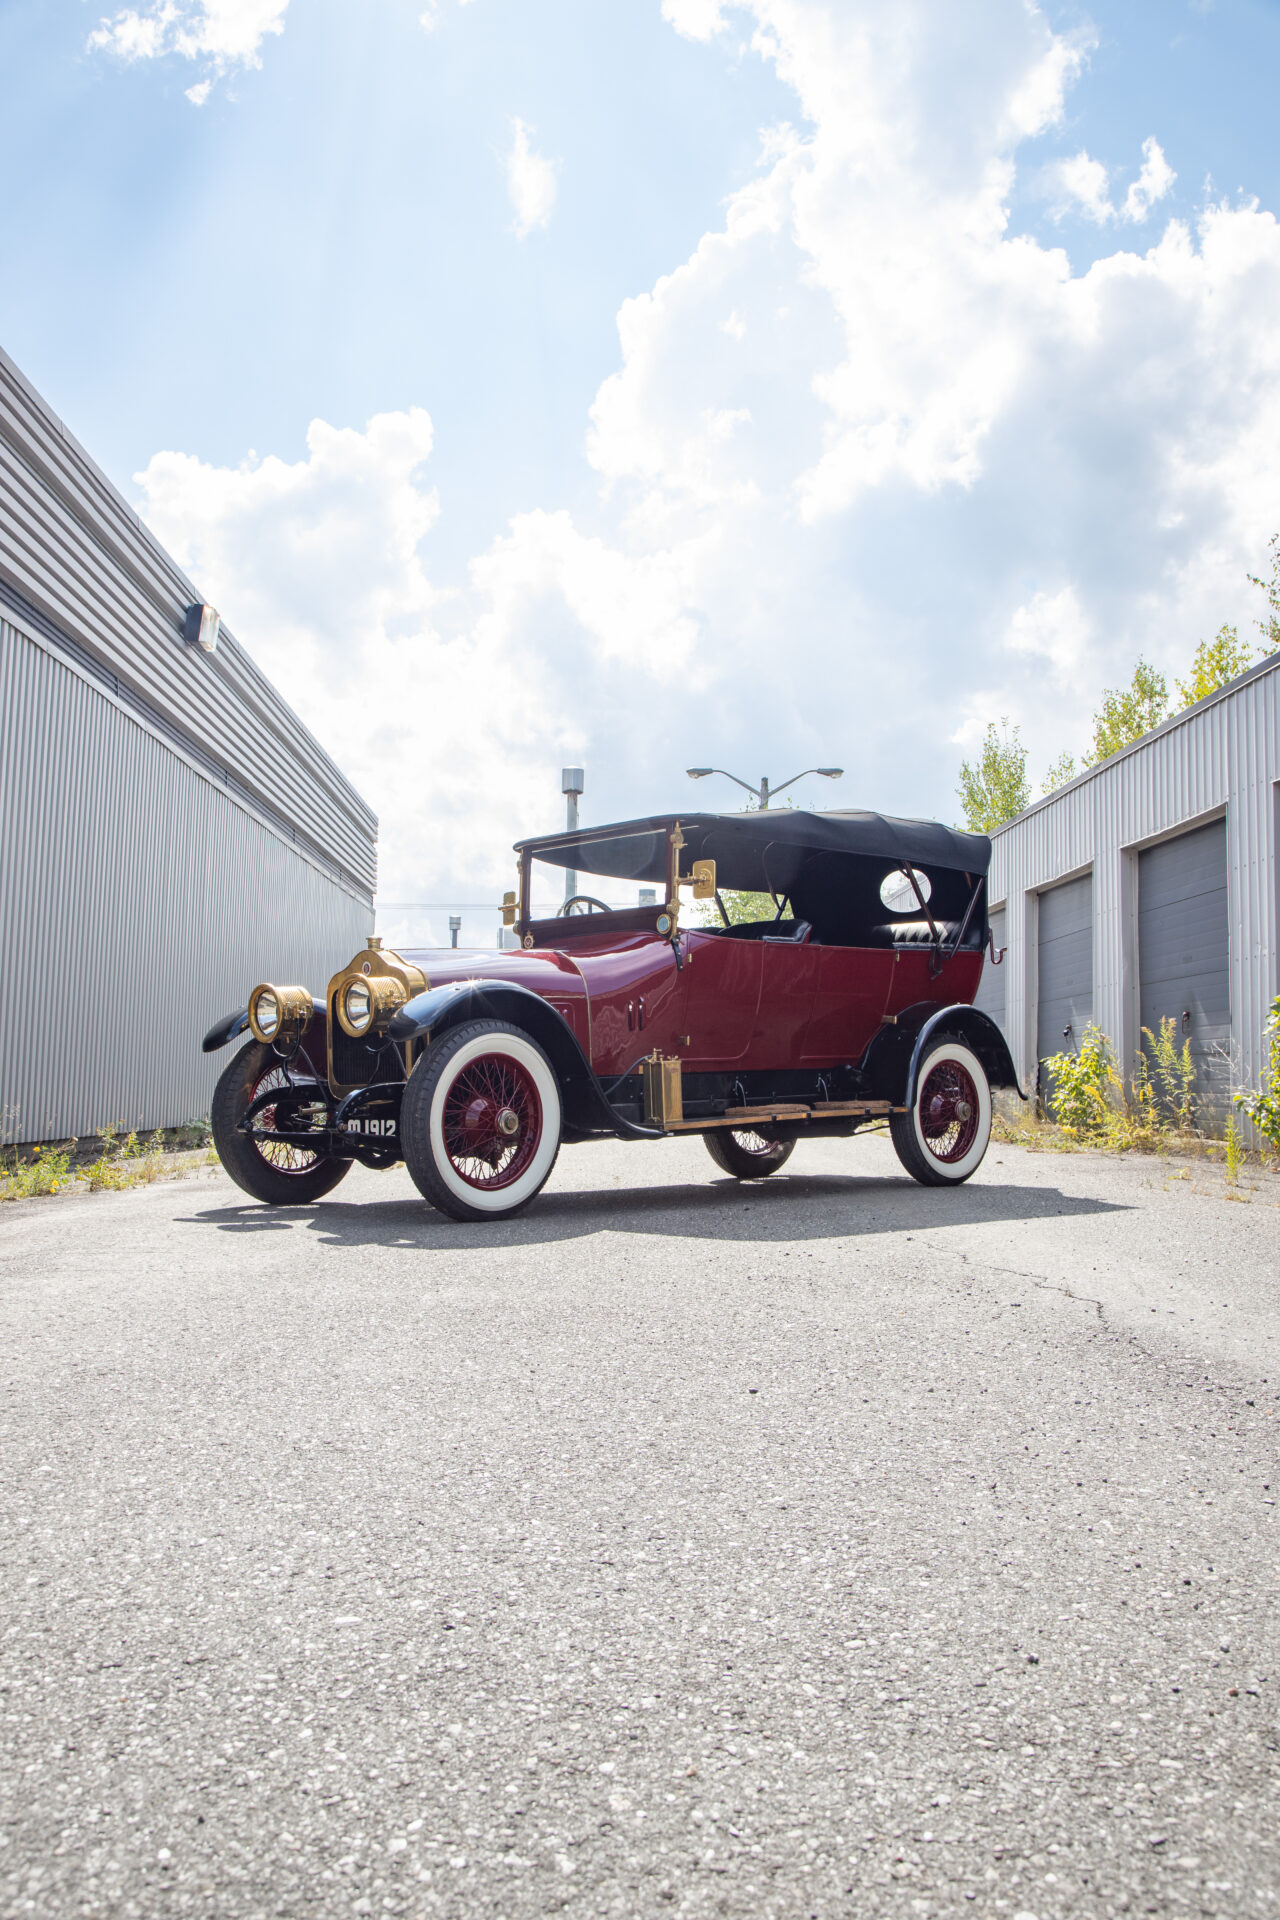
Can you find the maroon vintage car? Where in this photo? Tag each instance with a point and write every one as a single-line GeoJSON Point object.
{"type": "Point", "coordinates": [846, 1005]}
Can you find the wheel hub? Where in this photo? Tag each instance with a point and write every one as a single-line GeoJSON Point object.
{"type": "Point", "coordinates": [480, 1123]}
{"type": "Point", "coordinates": [508, 1122]}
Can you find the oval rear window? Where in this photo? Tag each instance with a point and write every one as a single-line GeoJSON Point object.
{"type": "Point", "coordinates": [897, 892]}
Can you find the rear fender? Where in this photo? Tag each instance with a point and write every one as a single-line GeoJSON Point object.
{"type": "Point", "coordinates": [891, 1065]}
{"type": "Point", "coordinates": [586, 1109]}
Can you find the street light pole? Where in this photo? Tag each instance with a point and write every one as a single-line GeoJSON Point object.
{"type": "Point", "coordinates": [764, 792]}
{"type": "Point", "coordinates": [572, 781]}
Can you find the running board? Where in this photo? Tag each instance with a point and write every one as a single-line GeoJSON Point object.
{"type": "Point", "coordinates": [747, 1117]}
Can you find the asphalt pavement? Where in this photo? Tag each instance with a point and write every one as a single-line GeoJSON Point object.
{"type": "Point", "coordinates": [831, 1546]}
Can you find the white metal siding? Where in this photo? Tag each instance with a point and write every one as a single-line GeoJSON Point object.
{"type": "Point", "coordinates": [139, 901]}
{"type": "Point", "coordinates": [79, 554]}
{"type": "Point", "coordinates": [990, 994]}
{"type": "Point", "coordinates": [1220, 758]}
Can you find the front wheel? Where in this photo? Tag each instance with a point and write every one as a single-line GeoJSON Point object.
{"type": "Point", "coordinates": [480, 1121]}
{"type": "Point", "coordinates": [944, 1136]}
{"type": "Point", "coordinates": [747, 1156]}
{"type": "Point", "coordinates": [284, 1173]}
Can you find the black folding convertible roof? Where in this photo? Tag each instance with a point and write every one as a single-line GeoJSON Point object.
{"type": "Point", "coordinates": [760, 852]}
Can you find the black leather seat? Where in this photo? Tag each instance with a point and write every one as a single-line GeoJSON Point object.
{"type": "Point", "coordinates": [796, 937]}
{"type": "Point", "coordinates": [915, 933]}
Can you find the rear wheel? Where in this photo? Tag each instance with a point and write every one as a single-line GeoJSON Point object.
{"type": "Point", "coordinates": [281, 1172]}
{"type": "Point", "coordinates": [747, 1156]}
{"type": "Point", "coordinates": [943, 1138]}
{"type": "Point", "coordinates": [480, 1121]}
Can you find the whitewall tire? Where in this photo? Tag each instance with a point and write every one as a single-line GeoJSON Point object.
{"type": "Point", "coordinates": [480, 1121]}
{"type": "Point", "coordinates": [944, 1136]}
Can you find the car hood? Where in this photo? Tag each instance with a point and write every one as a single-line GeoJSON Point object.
{"type": "Point", "coordinates": [548, 971]}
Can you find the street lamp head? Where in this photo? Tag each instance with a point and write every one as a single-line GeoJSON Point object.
{"type": "Point", "coordinates": [699, 773]}
{"type": "Point", "coordinates": [572, 780]}
{"type": "Point", "coordinates": [830, 773]}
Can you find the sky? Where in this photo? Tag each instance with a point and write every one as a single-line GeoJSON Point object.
{"type": "Point", "coordinates": [753, 383]}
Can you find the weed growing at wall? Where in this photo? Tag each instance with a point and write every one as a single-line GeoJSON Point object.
{"type": "Point", "coordinates": [1262, 1105]}
{"type": "Point", "coordinates": [48, 1169]}
{"type": "Point", "coordinates": [121, 1160]}
{"type": "Point", "coordinates": [124, 1163]}
{"type": "Point", "coordinates": [1086, 1093]}
{"type": "Point", "coordinates": [1090, 1104]}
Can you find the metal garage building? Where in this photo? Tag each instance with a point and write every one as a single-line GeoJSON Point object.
{"type": "Point", "coordinates": [169, 830]}
{"type": "Point", "coordinates": [1147, 889]}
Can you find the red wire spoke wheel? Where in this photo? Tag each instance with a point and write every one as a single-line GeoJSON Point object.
{"type": "Point", "coordinates": [492, 1121]}
{"type": "Point", "coordinates": [480, 1121]}
{"type": "Point", "coordinates": [943, 1138]}
{"type": "Point", "coordinates": [293, 1115]}
{"type": "Point", "coordinates": [949, 1112]}
{"type": "Point", "coordinates": [280, 1172]}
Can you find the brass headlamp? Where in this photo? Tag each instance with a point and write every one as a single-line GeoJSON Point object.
{"type": "Point", "coordinates": [278, 1016]}
{"type": "Point", "coordinates": [367, 1002]}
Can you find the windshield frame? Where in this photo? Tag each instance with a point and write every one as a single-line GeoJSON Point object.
{"type": "Point", "coordinates": [533, 931]}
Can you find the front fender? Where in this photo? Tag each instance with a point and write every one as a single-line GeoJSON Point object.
{"type": "Point", "coordinates": [238, 1022]}
{"type": "Point", "coordinates": [586, 1108]}
{"type": "Point", "coordinates": [226, 1029]}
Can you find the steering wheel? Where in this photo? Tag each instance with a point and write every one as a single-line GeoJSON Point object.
{"type": "Point", "coordinates": [584, 902]}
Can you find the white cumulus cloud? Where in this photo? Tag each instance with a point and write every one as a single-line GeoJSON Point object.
{"type": "Point", "coordinates": [696, 19]}
{"type": "Point", "coordinates": [1053, 627]}
{"type": "Point", "coordinates": [219, 34]}
{"type": "Point", "coordinates": [1081, 185]}
{"type": "Point", "coordinates": [531, 181]}
{"type": "Point", "coordinates": [1152, 183]}
{"type": "Point", "coordinates": [871, 469]}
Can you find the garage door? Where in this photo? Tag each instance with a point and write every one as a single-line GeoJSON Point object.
{"type": "Point", "coordinates": [1184, 947]}
{"type": "Point", "coordinates": [1065, 967]}
{"type": "Point", "coordinates": [991, 994]}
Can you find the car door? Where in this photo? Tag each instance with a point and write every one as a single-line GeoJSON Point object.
{"type": "Point", "coordinates": [789, 975]}
{"type": "Point", "coordinates": [850, 998]}
{"type": "Point", "coordinates": [722, 995]}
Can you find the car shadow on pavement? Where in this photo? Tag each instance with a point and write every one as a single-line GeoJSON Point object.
{"type": "Point", "coordinates": [792, 1209]}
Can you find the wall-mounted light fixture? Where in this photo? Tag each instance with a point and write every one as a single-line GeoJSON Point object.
{"type": "Point", "coordinates": [201, 627]}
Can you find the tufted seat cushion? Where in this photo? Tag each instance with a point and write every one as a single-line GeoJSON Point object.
{"type": "Point", "coordinates": [915, 933]}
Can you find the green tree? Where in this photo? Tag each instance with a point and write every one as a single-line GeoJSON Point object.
{"type": "Point", "coordinates": [1063, 769]}
{"type": "Point", "coordinates": [742, 907]}
{"type": "Point", "coordinates": [1127, 714]}
{"type": "Point", "coordinates": [1216, 661]}
{"type": "Point", "coordinates": [995, 786]}
{"type": "Point", "coordinates": [1269, 627]}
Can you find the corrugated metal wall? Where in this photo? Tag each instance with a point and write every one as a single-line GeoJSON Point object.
{"type": "Point", "coordinates": [990, 994]}
{"type": "Point", "coordinates": [79, 555]}
{"type": "Point", "coordinates": [138, 903]}
{"type": "Point", "coordinates": [1220, 759]}
{"type": "Point", "coordinates": [170, 832]}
